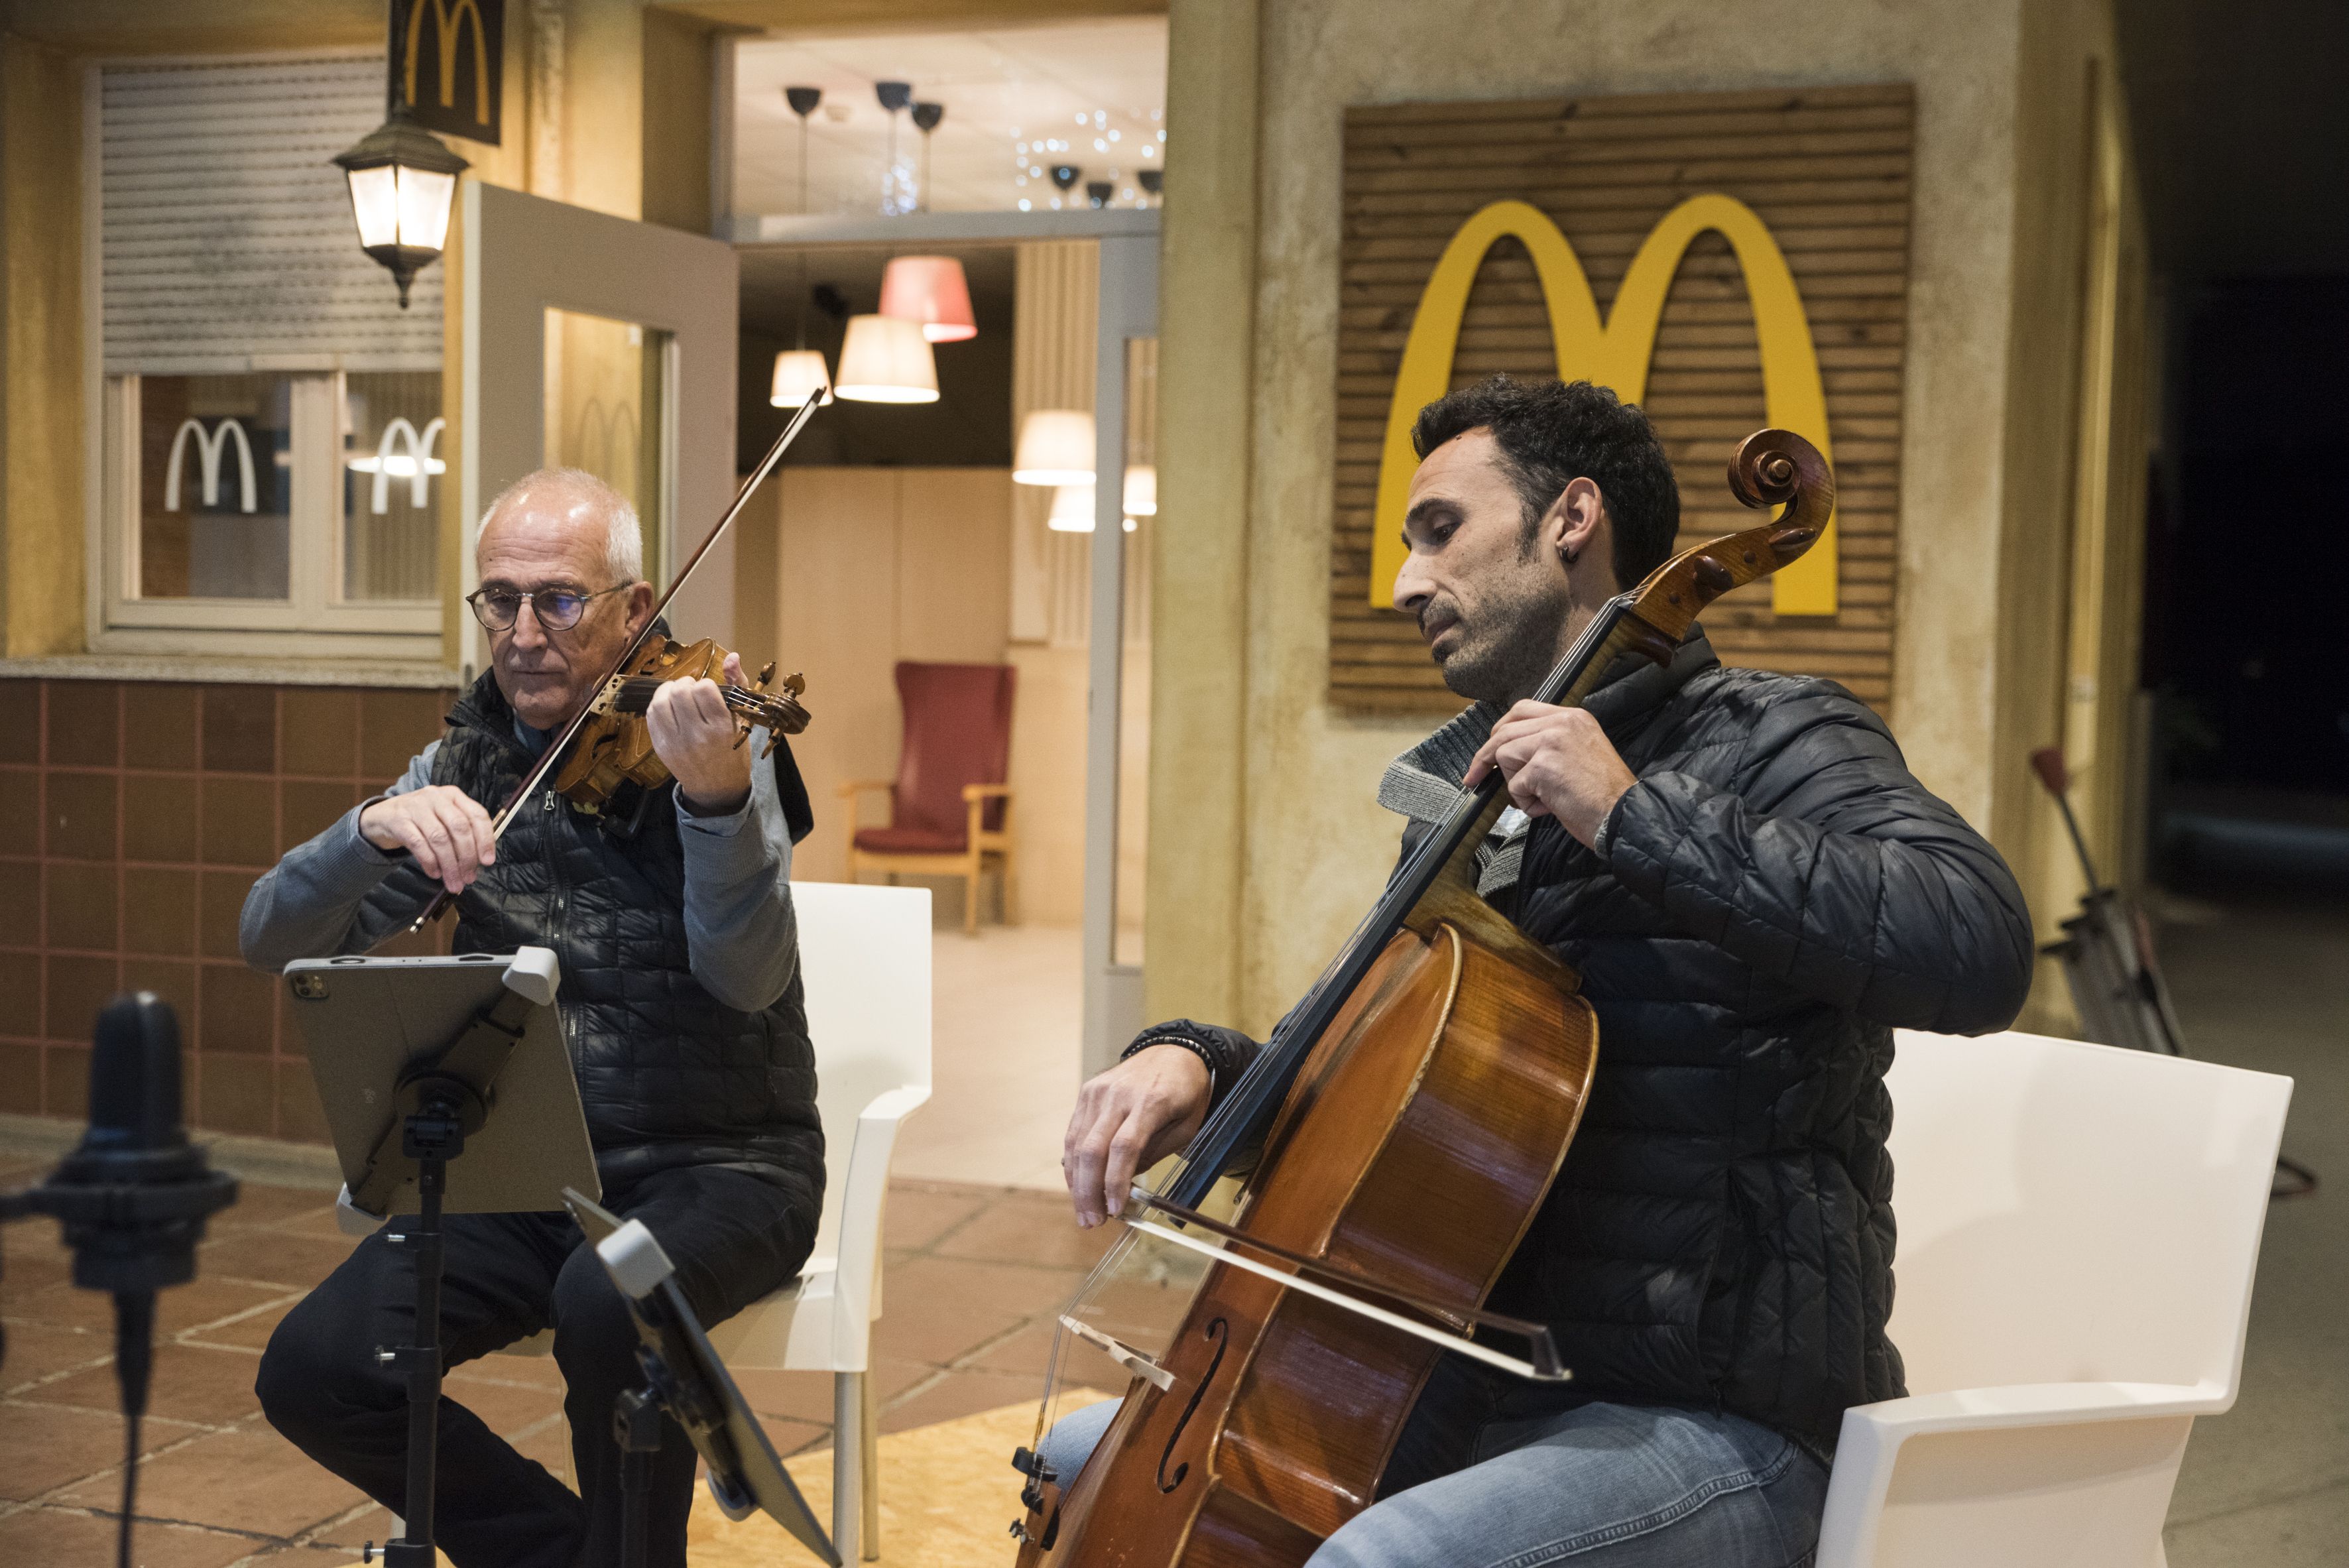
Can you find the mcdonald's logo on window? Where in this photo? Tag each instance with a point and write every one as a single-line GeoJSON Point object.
{"type": "Point", "coordinates": [1613, 353]}
{"type": "Point", "coordinates": [447, 65]}
{"type": "Point", "coordinates": [211, 448]}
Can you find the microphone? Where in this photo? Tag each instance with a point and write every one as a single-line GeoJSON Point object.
{"type": "Point", "coordinates": [133, 1196]}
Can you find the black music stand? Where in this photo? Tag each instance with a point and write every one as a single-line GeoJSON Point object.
{"type": "Point", "coordinates": [685, 1379]}
{"type": "Point", "coordinates": [411, 1056]}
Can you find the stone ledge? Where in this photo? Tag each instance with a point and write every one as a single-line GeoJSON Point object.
{"type": "Point", "coordinates": [271, 1161]}
{"type": "Point", "coordinates": [379, 674]}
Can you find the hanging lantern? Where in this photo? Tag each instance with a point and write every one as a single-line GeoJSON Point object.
{"type": "Point", "coordinates": [1056, 447]}
{"type": "Point", "coordinates": [884, 359]}
{"type": "Point", "coordinates": [1141, 491]}
{"type": "Point", "coordinates": [933, 292]}
{"type": "Point", "coordinates": [800, 374]}
{"type": "Point", "coordinates": [402, 183]}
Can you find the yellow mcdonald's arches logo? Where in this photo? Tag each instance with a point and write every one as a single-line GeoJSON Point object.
{"type": "Point", "coordinates": [1614, 353]}
{"type": "Point", "coordinates": [448, 21]}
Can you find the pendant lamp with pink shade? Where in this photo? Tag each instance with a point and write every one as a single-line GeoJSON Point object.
{"type": "Point", "coordinates": [932, 292]}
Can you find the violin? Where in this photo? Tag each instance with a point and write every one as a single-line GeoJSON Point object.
{"type": "Point", "coordinates": [621, 748]}
{"type": "Point", "coordinates": [614, 745]}
{"type": "Point", "coordinates": [1409, 1118]}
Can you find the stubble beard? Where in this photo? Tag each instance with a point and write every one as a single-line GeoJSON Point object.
{"type": "Point", "coordinates": [1512, 644]}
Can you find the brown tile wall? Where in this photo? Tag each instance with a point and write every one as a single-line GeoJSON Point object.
{"type": "Point", "coordinates": [134, 816]}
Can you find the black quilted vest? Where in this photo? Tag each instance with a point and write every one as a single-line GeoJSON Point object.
{"type": "Point", "coordinates": [668, 1074]}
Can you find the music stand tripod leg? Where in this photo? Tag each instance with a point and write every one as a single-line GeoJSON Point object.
{"type": "Point", "coordinates": [637, 1427]}
{"type": "Point", "coordinates": [432, 1136]}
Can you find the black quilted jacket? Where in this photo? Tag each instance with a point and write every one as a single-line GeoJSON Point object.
{"type": "Point", "coordinates": [1773, 897]}
{"type": "Point", "coordinates": [668, 1074]}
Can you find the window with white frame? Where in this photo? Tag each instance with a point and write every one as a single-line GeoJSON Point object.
{"type": "Point", "coordinates": [272, 442]}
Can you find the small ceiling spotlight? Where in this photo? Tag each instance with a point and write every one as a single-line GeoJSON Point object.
{"type": "Point", "coordinates": [804, 101]}
{"type": "Point", "coordinates": [1099, 191]}
{"type": "Point", "coordinates": [894, 199]}
{"type": "Point", "coordinates": [927, 117]}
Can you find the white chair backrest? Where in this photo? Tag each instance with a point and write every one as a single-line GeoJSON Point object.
{"type": "Point", "coordinates": [864, 963]}
{"type": "Point", "coordinates": [2071, 1212]}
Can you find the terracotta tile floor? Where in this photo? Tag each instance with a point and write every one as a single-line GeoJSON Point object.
{"type": "Point", "coordinates": [975, 1276]}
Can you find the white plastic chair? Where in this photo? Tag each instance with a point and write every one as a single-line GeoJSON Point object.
{"type": "Point", "coordinates": [2078, 1230]}
{"type": "Point", "coordinates": [864, 960]}
{"type": "Point", "coordinates": [864, 963]}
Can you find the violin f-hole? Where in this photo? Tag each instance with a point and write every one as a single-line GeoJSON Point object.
{"type": "Point", "coordinates": [1219, 1333]}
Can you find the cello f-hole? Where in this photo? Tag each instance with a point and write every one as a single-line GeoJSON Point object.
{"type": "Point", "coordinates": [1219, 1333]}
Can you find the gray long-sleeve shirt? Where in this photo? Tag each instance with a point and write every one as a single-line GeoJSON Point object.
{"type": "Point", "coordinates": [742, 937]}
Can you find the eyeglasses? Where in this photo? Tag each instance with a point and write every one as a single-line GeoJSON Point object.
{"type": "Point", "coordinates": [557, 609]}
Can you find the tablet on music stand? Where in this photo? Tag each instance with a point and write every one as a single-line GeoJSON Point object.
{"type": "Point", "coordinates": [685, 1375]}
{"type": "Point", "coordinates": [368, 1022]}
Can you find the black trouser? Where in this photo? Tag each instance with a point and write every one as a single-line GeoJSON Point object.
{"type": "Point", "coordinates": [734, 1238]}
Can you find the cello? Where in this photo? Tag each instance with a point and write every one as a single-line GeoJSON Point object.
{"type": "Point", "coordinates": [1406, 1122]}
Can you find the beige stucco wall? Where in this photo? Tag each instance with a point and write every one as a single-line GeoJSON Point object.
{"type": "Point", "coordinates": [1263, 798]}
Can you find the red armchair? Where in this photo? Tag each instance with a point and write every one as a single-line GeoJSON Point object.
{"type": "Point", "coordinates": [949, 806]}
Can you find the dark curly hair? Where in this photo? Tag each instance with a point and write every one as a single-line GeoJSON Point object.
{"type": "Point", "coordinates": [1551, 433]}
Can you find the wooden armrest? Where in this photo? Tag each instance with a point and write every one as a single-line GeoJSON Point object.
{"type": "Point", "coordinates": [982, 791]}
{"type": "Point", "coordinates": [859, 785]}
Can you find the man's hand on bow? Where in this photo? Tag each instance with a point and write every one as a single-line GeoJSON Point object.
{"type": "Point", "coordinates": [694, 734]}
{"type": "Point", "coordinates": [442, 827]}
{"type": "Point", "coordinates": [1558, 763]}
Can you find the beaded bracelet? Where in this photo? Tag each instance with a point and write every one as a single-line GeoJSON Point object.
{"type": "Point", "coordinates": [1198, 1048]}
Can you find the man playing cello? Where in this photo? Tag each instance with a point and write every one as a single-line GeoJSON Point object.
{"type": "Point", "coordinates": [1755, 892]}
{"type": "Point", "coordinates": [681, 1007]}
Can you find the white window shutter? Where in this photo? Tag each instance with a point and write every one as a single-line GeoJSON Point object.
{"type": "Point", "coordinates": [226, 236]}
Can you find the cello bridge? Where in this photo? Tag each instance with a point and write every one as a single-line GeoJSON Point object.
{"type": "Point", "coordinates": [1124, 1355]}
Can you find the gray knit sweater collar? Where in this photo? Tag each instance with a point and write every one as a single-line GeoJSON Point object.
{"type": "Point", "coordinates": [1423, 783]}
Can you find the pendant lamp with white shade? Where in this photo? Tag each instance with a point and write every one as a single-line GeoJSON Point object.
{"type": "Point", "coordinates": [932, 292]}
{"type": "Point", "coordinates": [886, 359]}
{"type": "Point", "coordinates": [1056, 447]}
{"type": "Point", "coordinates": [1141, 491]}
{"type": "Point", "coordinates": [1072, 510]}
{"type": "Point", "coordinates": [800, 374]}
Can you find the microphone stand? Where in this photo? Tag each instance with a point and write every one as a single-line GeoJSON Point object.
{"type": "Point", "coordinates": [132, 1200]}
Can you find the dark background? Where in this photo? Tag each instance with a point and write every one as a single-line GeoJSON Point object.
{"type": "Point", "coordinates": [2241, 133]}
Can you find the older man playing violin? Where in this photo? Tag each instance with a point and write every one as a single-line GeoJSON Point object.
{"type": "Point", "coordinates": [680, 1001]}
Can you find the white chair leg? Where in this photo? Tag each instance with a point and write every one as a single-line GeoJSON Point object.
{"type": "Point", "coordinates": [869, 1466]}
{"type": "Point", "coordinates": [848, 1442]}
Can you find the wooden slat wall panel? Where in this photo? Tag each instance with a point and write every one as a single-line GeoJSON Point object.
{"type": "Point", "coordinates": [1826, 168]}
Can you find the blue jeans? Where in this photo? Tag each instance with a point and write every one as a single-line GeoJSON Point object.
{"type": "Point", "coordinates": [1595, 1486]}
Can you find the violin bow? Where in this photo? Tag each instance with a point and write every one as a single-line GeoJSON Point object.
{"type": "Point", "coordinates": [548, 758]}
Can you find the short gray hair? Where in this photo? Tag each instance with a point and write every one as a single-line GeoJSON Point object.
{"type": "Point", "coordinates": [623, 539]}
